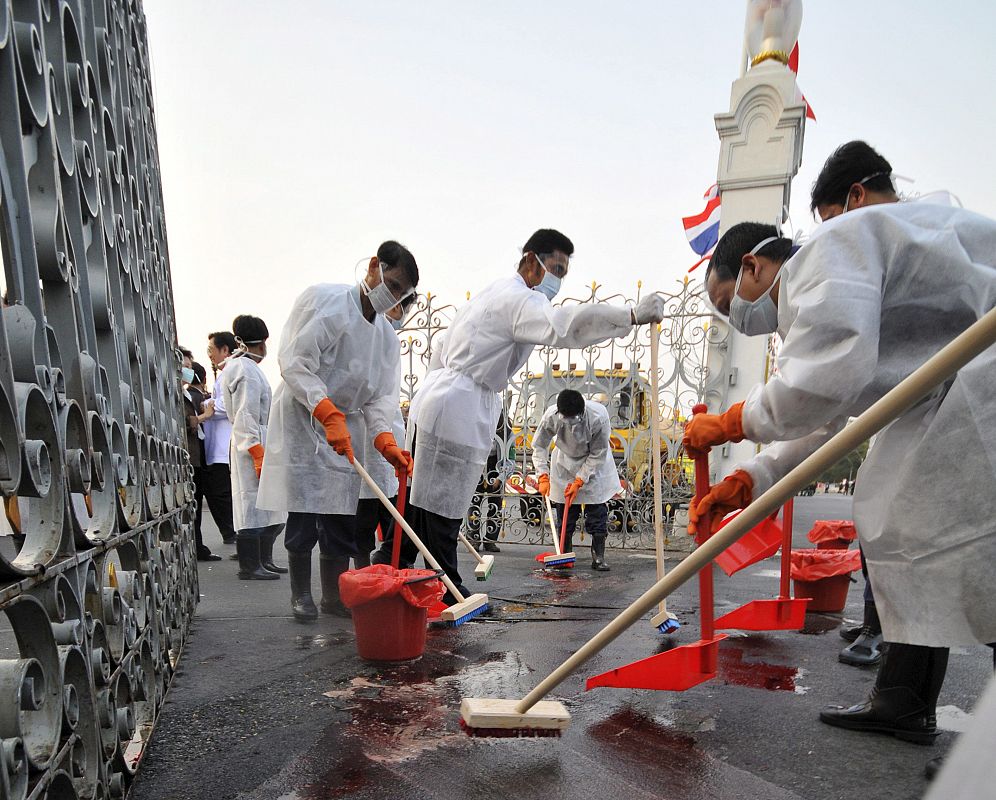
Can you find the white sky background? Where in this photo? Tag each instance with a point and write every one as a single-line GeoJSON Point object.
{"type": "Point", "coordinates": [296, 136]}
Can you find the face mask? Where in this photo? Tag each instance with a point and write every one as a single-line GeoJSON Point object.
{"type": "Point", "coordinates": [550, 284]}
{"type": "Point", "coordinates": [380, 296]}
{"type": "Point", "coordinates": [187, 375]}
{"type": "Point", "coordinates": [757, 317]}
{"type": "Point", "coordinates": [397, 324]}
{"type": "Point", "coordinates": [862, 182]}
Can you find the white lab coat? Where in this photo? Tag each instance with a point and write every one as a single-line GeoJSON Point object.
{"type": "Point", "coordinates": [378, 467]}
{"type": "Point", "coordinates": [871, 297]}
{"type": "Point", "coordinates": [456, 410]}
{"type": "Point", "coordinates": [327, 349]}
{"type": "Point", "coordinates": [247, 403]}
{"type": "Point", "coordinates": [582, 451]}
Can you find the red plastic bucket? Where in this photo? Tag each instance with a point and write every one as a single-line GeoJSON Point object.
{"type": "Point", "coordinates": [826, 594]}
{"type": "Point", "coordinates": [389, 629]}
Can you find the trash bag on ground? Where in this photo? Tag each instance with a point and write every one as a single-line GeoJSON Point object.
{"type": "Point", "coordinates": [419, 587]}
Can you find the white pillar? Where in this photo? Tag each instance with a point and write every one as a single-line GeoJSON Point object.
{"type": "Point", "coordinates": [760, 153]}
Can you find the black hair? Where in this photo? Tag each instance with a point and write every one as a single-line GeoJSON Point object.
{"type": "Point", "coordinates": [200, 372]}
{"type": "Point", "coordinates": [849, 164]}
{"type": "Point", "coordinates": [397, 255]}
{"type": "Point", "coordinates": [224, 339]}
{"type": "Point", "coordinates": [186, 353]}
{"type": "Point", "coordinates": [570, 403]}
{"type": "Point", "coordinates": [250, 329]}
{"type": "Point", "coordinates": [738, 241]}
{"type": "Point", "coordinates": [546, 240]}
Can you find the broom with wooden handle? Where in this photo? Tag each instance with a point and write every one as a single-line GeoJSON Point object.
{"type": "Point", "coordinates": [664, 620]}
{"type": "Point", "coordinates": [533, 716]}
{"type": "Point", "coordinates": [465, 608]}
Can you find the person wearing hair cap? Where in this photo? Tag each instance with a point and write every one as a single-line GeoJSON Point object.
{"type": "Point", "coordinates": [247, 402]}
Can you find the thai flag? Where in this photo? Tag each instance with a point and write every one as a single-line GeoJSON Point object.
{"type": "Point", "coordinates": [702, 230]}
{"type": "Point", "coordinates": [794, 66]}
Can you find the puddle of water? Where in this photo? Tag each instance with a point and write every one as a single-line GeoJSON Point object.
{"type": "Point", "coordinates": [820, 624]}
{"type": "Point", "coordinates": [756, 674]}
{"type": "Point", "coordinates": [319, 640]}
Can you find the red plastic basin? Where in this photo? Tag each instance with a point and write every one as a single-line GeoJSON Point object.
{"type": "Point", "coordinates": [826, 594]}
{"type": "Point", "coordinates": [389, 629]}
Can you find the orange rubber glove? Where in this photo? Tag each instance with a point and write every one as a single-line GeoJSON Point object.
{"type": "Point", "coordinates": [401, 460]}
{"type": "Point", "coordinates": [703, 431]}
{"type": "Point", "coordinates": [572, 490]}
{"type": "Point", "coordinates": [543, 484]}
{"type": "Point", "coordinates": [733, 492]}
{"type": "Point", "coordinates": [336, 432]}
{"type": "Point", "coordinates": [256, 451]}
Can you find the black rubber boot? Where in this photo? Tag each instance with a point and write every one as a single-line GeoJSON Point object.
{"type": "Point", "coordinates": [266, 539]}
{"type": "Point", "coordinates": [332, 567]}
{"type": "Point", "coordinates": [904, 700]}
{"type": "Point", "coordinates": [598, 554]}
{"type": "Point", "coordinates": [870, 622]}
{"type": "Point", "coordinates": [851, 632]}
{"type": "Point", "coordinates": [247, 549]}
{"type": "Point", "coordinates": [300, 579]}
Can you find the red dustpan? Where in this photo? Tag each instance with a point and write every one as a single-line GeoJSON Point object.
{"type": "Point", "coordinates": [785, 613]}
{"type": "Point", "coordinates": [686, 666]}
{"type": "Point", "coordinates": [761, 542]}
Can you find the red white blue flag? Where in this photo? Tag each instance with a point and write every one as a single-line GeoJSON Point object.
{"type": "Point", "coordinates": [794, 66]}
{"type": "Point", "coordinates": [702, 229]}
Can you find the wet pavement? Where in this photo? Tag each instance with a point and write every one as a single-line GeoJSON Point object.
{"type": "Point", "coordinates": [263, 708]}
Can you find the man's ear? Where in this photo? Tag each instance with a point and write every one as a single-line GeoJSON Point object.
{"type": "Point", "coordinates": [750, 265]}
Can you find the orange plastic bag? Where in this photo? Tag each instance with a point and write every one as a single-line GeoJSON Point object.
{"type": "Point", "coordinates": [420, 588]}
{"type": "Point", "coordinates": [812, 565]}
{"type": "Point", "coordinates": [825, 530]}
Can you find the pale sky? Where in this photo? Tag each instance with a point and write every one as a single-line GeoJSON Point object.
{"type": "Point", "coordinates": [294, 137]}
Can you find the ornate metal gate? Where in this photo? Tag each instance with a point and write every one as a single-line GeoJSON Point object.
{"type": "Point", "coordinates": [98, 576]}
{"type": "Point", "coordinates": [615, 373]}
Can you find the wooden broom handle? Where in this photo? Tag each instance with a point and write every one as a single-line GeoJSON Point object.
{"type": "Point", "coordinates": [407, 529]}
{"type": "Point", "coordinates": [553, 527]}
{"type": "Point", "coordinates": [933, 372]}
{"type": "Point", "coordinates": [655, 445]}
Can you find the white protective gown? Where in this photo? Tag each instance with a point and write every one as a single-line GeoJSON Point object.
{"type": "Point", "coordinates": [456, 410]}
{"type": "Point", "coordinates": [327, 349]}
{"type": "Point", "coordinates": [378, 467]}
{"type": "Point", "coordinates": [582, 451]}
{"type": "Point", "coordinates": [247, 403]}
{"type": "Point", "coordinates": [871, 297]}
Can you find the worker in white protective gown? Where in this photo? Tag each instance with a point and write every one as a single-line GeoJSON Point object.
{"type": "Point", "coordinates": [455, 412]}
{"type": "Point", "coordinates": [581, 472]}
{"type": "Point", "coordinates": [339, 360]}
{"type": "Point", "coordinates": [370, 511]}
{"type": "Point", "coordinates": [866, 301]}
{"type": "Point", "coordinates": [247, 403]}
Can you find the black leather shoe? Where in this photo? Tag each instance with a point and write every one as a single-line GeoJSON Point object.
{"type": "Point", "coordinates": [852, 632]}
{"type": "Point", "coordinates": [491, 547]}
{"type": "Point", "coordinates": [207, 555]}
{"type": "Point", "coordinates": [865, 651]}
{"type": "Point", "coordinates": [897, 711]}
{"type": "Point", "coordinates": [599, 565]}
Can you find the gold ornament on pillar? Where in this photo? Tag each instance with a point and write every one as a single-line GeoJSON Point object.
{"type": "Point", "coordinates": [772, 29]}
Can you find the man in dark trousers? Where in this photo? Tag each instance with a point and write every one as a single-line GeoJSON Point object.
{"type": "Point", "coordinates": [217, 437]}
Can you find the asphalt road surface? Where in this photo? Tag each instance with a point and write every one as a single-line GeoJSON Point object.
{"type": "Point", "coordinates": [264, 708]}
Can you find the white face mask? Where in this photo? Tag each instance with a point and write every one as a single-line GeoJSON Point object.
{"type": "Point", "coordinates": [550, 285]}
{"type": "Point", "coordinates": [380, 296]}
{"type": "Point", "coordinates": [187, 375]}
{"type": "Point", "coordinates": [755, 317]}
